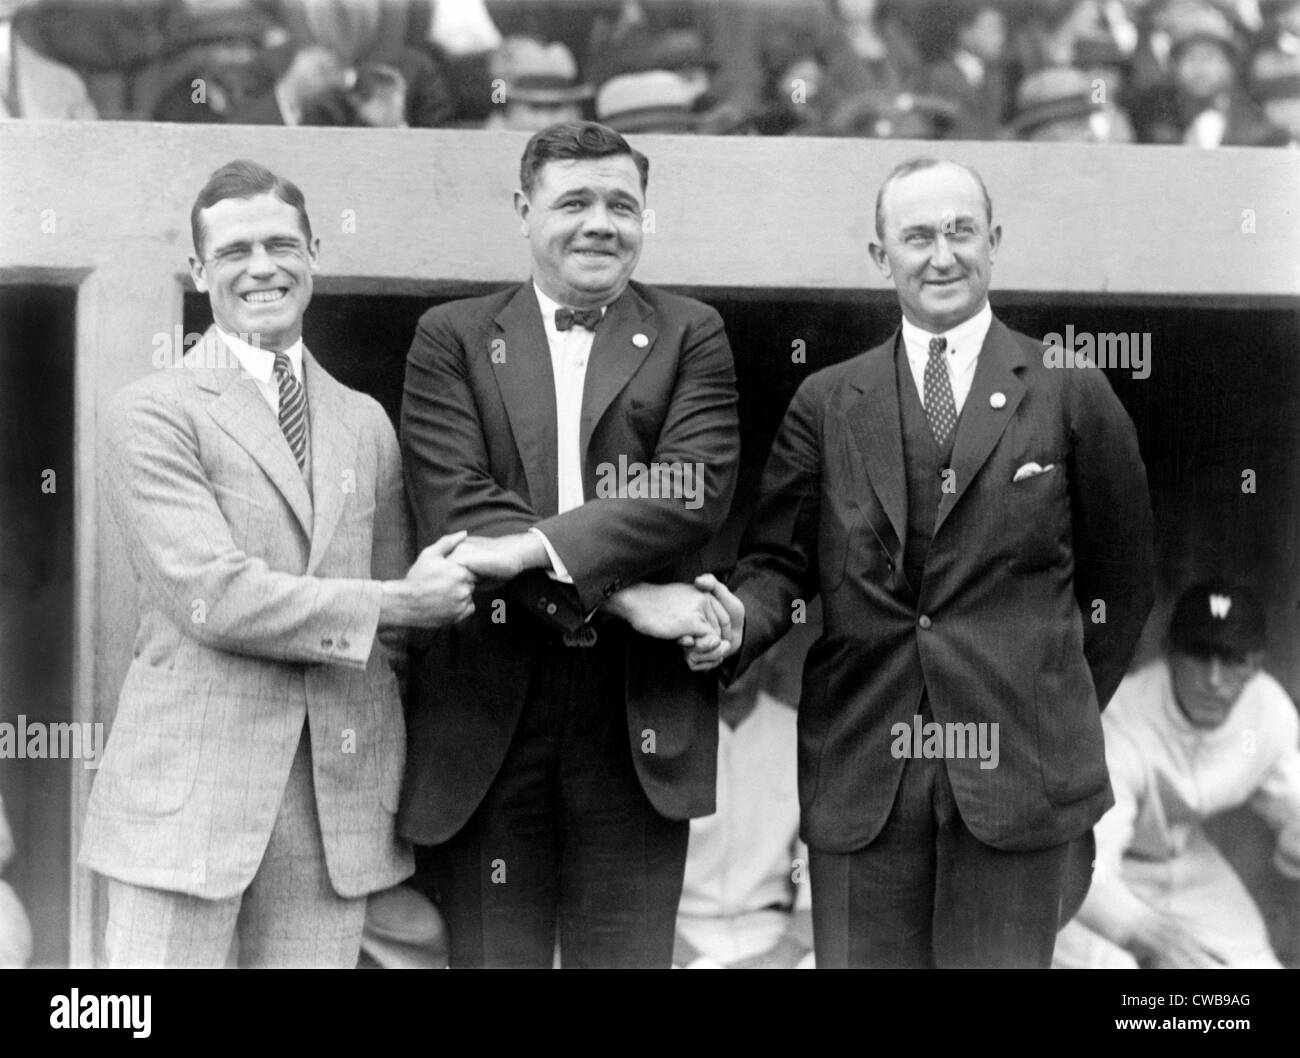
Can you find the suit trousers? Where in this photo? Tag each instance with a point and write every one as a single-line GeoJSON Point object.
{"type": "Point", "coordinates": [565, 845]}
{"type": "Point", "coordinates": [927, 893]}
{"type": "Point", "coordinates": [289, 916]}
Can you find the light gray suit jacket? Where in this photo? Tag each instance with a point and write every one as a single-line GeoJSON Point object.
{"type": "Point", "coordinates": [259, 607]}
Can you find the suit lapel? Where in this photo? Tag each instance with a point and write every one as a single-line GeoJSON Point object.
{"type": "Point", "coordinates": [981, 424]}
{"type": "Point", "coordinates": [333, 454]}
{"type": "Point", "coordinates": [616, 354]}
{"type": "Point", "coordinates": [241, 411]}
{"type": "Point", "coordinates": [527, 384]}
{"type": "Point", "coordinates": [875, 426]}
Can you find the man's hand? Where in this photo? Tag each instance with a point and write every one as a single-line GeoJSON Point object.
{"type": "Point", "coordinates": [671, 611]}
{"type": "Point", "coordinates": [702, 654]}
{"type": "Point", "coordinates": [1163, 942]}
{"type": "Point", "coordinates": [498, 559]}
{"type": "Point", "coordinates": [436, 590]}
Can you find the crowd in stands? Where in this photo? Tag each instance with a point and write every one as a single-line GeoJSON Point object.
{"type": "Point", "coordinates": [1200, 72]}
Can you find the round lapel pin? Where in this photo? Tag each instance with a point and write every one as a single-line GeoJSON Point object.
{"type": "Point", "coordinates": [640, 340]}
{"type": "Point", "coordinates": [998, 400]}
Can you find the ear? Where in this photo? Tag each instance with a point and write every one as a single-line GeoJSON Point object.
{"type": "Point", "coordinates": [881, 259]}
{"type": "Point", "coordinates": [995, 240]}
{"type": "Point", "coordinates": [313, 254]}
{"type": "Point", "coordinates": [523, 208]}
{"type": "Point", "coordinates": [199, 274]}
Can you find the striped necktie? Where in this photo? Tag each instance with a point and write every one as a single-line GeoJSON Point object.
{"type": "Point", "coordinates": [940, 408]}
{"type": "Point", "coordinates": [293, 409]}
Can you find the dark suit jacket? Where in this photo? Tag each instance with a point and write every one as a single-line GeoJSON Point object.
{"type": "Point", "coordinates": [1002, 631]}
{"type": "Point", "coordinates": [479, 448]}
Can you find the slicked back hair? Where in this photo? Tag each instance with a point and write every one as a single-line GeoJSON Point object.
{"type": "Point", "coordinates": [919, 164]}
{"type": "Point", "coordinates": [244, 179]}
{"type": "Point", "coordinates": [575, 141]}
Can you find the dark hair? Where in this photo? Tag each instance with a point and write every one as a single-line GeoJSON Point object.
{"type": "Point", "coordinates": [573, 140]}
{"type": "Point", "coordinates": [916, 165]}
{"type": "Point", "coordinates": [374, 79]}
{"type": "Point", "coordinates": [244, 179]}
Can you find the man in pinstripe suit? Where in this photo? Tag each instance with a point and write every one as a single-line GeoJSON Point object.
{"type": "Point", "coordinates": [250, 782]}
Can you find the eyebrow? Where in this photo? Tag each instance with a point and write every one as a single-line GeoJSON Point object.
{"type": "Point", "coordinates": [589, 192]}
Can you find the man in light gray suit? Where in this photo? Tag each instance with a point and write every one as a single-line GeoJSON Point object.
{"type": "Point", "coordinates": [251, 778]}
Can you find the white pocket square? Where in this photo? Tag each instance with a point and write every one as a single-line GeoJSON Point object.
{"type": "Point", "coordinates": [1031, 470]}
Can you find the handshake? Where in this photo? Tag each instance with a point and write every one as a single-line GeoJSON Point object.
{"type": "Point", "coordinates": [439, 588]}
{"type": "Point", "coordinates": [705, 619]}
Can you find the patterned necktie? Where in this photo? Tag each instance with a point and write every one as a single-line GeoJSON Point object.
{"type": "Point", "coordinates": [293, 409]}
{"type": "Point", "coordinates": [940, 408]}
{"type": "Point", "coordinates": [566, 318]}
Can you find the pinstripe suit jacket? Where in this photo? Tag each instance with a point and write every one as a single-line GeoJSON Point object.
{"type": "Point", "coordinates": [259, 606]}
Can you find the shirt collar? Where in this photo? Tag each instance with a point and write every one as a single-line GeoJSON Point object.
{"type": "Point", "coordinates": [258, 362]}
{"type": "Point", "coordinates": [964, 341]}
{"type": "Point", "coordinates": [549, 305]}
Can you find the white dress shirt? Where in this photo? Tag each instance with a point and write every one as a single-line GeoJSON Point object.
{"type": "Point", "coordinates": [259, 365]}
{"type": "Point", "coordinates": [964, 344]}
{"type": "Point", "coordinates": [570, 352]}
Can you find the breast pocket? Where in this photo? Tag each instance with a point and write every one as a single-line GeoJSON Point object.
{"type": "Point", "coordinates": [152, 758]}
{"type": "Point", "coordinates": [1036, 518]}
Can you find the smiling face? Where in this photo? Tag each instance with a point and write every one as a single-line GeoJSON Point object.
{"type": "Point", "coordinates": [256, 268]}
{"type": "Point", "coordinates": [1207, 687]}
{"type": "Point", "coordinates": [937, 246]}
{"type": "Point", "coordinates": [583, 224]}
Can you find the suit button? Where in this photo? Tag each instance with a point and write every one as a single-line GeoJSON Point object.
{"type": "Point", "coordinates": [924, 622]}
{"type": "Point", "coordinates": [551, 608]}
{"type": "Point", "coordinates": [327, 643]}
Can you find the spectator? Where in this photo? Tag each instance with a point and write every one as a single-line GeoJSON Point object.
{"type": "Point", "coordinates": [1060, 104]}
{"type": "Point", "coordinates": [374, 32]}
{"type": "Point", "coordinates": [1197, 732]}
{"type": "Point", "coordinates": [650, 101]}
{"type": "Point", "coordinates": [377, 97]}
{"type": "Point", "coordinates": [880, 50]}
{"type": "Point", "coordinates": [890, 115]}
{"type": "Point", "coordinates": [211, 66]}
{"type": "Point", "coordinates": [32, 84]}
{"type": "Point", "coordinates": [1275, 68]}
{"type": "Point", "coordinates": [541, 85]}
{"type": "Point", "coordinates": [302, 76]}
{"type": "Point", "coordinates": [973, 38]}
{"type": "Point", "coordinates": [1205, 104]}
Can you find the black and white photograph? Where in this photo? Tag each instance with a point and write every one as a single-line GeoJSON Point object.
{"type": "Point", "coordinates": [647, 485]}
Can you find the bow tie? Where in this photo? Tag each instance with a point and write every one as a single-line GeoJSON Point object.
{"type": "Point", "coordinates": [566, 318]}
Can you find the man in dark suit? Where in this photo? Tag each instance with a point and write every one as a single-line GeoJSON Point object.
{"type": "Point", "coordinates": [557, 750]}
{"type": "Point", "coordinates": [978, 526]}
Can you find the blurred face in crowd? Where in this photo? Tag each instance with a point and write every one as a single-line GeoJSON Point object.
{"type": "Point", "coordinates": [1101, 126]}
{"type": "Point", "coordinates": [533, 117]}
{"type": "Point", "coordinates": [937, 246]}
{"type": "Point", "coordinates": [1203, 69]}
{"type": "Point", "coordinates": [384, 110]}
{"type": "Point", "coordinates": [256, 268]}
{"type": "Point", "coordinates": [314, 70]}
{"type": "Point", "coordinates": [583, 224]}
{"type": "Point", "coordinates": [803, 76]}
{"type": "Point", "coordinates": [985, 36]}
{"type": "Point", "coordinates": [1207, 686]}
